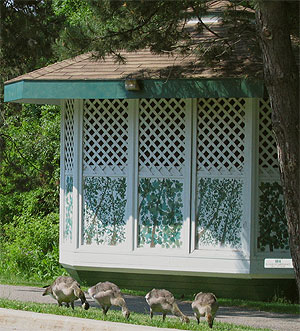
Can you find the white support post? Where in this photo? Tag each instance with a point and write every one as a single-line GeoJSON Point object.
{"type": "Point", "coordinates": [188, 174]}
{"type": "Point", "coordinates": [251, 175]}
{"type": "Point", "coordinates": [193, 170]}
{"type": "Point", "coordinates": [62, 174]}
{"type": "Point", "coordinates": [132, 173]}
{"type": "Point", "coordinates": [77, 172]}
{"type": "Point", "coordinates": [80, 172]}
{"type": "Point", "coordinates": [132, 178]}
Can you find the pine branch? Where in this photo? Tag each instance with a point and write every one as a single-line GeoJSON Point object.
{"type": "Point", "coordinates": [18, 151]}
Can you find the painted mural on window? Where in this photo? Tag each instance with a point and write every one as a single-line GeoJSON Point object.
{"type": "Point", "coordinates": [273, 231]}
{"type": "Point", "coordinates": [160, 213]}
{"type": "Point", "coordinates": [67, 231]}
{"type": "Point", "coordinates": [219, 213]}
{"type": "Point", "coordinates": [104, 210]}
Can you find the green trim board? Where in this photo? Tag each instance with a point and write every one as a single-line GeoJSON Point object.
{"type": "Point", "coordinates": [48, 91]}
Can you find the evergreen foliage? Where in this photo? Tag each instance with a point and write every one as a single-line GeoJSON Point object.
{"type": "Point", "coordinates": [29, 146]}
{"type": "Point", "coordinates": [28, 30]}
{"type": "Point", "coordinates": [108, 27]}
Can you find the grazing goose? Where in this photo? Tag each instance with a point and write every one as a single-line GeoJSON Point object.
{"type": "Point", "coordinates": [66, 289]}
{"type": "Point", "coordinates": [205, 304]}
{"type": "Point", "coordinates": [163, 301]}
{"type": "Point", "coordinates": [108, 294]}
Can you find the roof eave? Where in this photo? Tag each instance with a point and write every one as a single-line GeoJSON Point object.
{"type": "Point", "coordinates": [53, 91]}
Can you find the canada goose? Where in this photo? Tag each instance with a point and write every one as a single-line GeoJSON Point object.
{"type": "Point", "coordinates": [163, 301]}
{"type": "Point", "coordinates": [205, 304]}
{"type": "Point", "coordinates": [108, 294]}
{"type": "Point", "coordinates": [66, 289]}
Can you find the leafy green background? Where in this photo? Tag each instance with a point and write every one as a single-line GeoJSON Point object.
{"type": "Point", "coordinates": [273, 231]}
{"type": "Point", "coordinates": [219, 212]}
{"type": "Point", "coordinates": [68, 222]}
{"type": "Point", "coordinates": [104, 210]}
{"type": "Point", "coordinates": [29, 247]}
{"type": "Point", "coordinates": [160, 212]}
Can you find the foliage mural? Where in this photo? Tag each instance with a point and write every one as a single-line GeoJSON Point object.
{"type": "Point", "coordinates": [219, 212]}
{"type": "Point", "coordinates": [68, 209]}
{"type": "Point", "coordinates": [104, 210]}
{"type": "Point", "coordinates": [273, 231]}
{"type": "Point", "coordinates": [160, 212]}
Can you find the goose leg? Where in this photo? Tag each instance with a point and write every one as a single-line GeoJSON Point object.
{"type": "Point", "coordinates": [105, 309]}
{"type": "Point", "coordinates": [164, 317]}
{"type": "Point", "coordinates": [151, 313]}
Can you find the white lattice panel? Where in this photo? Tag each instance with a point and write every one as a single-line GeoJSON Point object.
{"type": "Point", "coordinates": [105, 134]}
{"type": "Point", "coordinates": [268, 162]}
{"type": "Point", "coordinates": [69, 135]}
{"type": "Point", "coordinates": [161, 137]}
{"type": "Point", "coordinates": [221, 136]}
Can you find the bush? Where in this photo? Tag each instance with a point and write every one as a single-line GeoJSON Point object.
{"type": "Point", "coordinates": [29, 154]}
{"type": "Point", "coordinates": [29, 247]}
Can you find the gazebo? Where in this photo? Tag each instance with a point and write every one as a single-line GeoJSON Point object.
{"type": "Point", "coordinates": [169, 175]}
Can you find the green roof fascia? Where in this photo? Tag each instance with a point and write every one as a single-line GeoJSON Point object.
{"type": "Point", "coordinates": [51, 91]}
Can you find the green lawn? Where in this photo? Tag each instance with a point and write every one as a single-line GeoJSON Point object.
{"type": "Point", "coordinates": [116, 316]}
{"type": "Point", "coordinates": [275, 307]}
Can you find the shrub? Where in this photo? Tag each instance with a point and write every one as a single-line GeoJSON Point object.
{"type": "Point", "coordinates": [29, 247]}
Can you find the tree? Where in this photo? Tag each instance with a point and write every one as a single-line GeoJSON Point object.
{"type": "Point", "coordinates": [106, 27]}
{"type": "Point", "coordinates": [282, 80]}
{"type": "Point", "coordinates": [29, 171]}
{"type": "Point", "coordinates": [29, 147]}
{"type": "Point", "coordinates": [28, 30]}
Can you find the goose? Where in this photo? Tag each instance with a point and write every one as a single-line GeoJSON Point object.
{"type": "Point", "coordinates": [66, 289]}
{"type": "Point", "coordinates": [205, 304]}
{"type": "Point", "coordinates": [163, 301]}
{"type": "Point", "coordinates": [108, 294]}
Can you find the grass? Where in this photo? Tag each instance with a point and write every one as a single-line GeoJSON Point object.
{"type": "Point", "coordinates": [276, 307]}
{"type": "Point", "coordinates": [16, 281]}
{"type": "Point", "coordinates": [116, 316]}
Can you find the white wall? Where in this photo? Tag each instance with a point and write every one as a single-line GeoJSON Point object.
{"type": "Point", "coordinates": [204, 152]}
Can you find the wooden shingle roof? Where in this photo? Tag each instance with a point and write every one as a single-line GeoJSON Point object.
{"type": "Point", "coordinates": [143, 64]}
{"type": "Point", "coordinates": [85, 67]}
{"type": "Point", "coordinates": [160, 76]}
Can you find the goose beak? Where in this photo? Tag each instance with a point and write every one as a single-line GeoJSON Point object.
{"type": "Point", "coordinates": [85, 305]}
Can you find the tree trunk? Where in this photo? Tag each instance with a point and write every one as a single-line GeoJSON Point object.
{"type": "Point", "coordinates": [153, 234]}
{"type": "Point", "coordinates": [282, 81]}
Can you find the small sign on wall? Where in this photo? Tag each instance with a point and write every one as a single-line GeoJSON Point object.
{"type": "Point", "coordinates": [278, 263]}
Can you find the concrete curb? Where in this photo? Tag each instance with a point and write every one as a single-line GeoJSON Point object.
{"type": "Point", "coordinates": [23, 320]}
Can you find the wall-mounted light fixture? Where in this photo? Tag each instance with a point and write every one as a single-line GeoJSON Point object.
{"type": "Point", "coordinates": [132, 85]}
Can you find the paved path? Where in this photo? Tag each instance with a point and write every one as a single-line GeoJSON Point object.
{"type": "Point", "coordinates": [258, 319]}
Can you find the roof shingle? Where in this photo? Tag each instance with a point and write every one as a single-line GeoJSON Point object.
{"type": "Point", "coordinates": [143, 64]}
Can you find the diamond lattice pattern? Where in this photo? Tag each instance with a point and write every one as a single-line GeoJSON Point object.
{"type": "Point", "coordinates": [69, 135]}
{"type": "Point", "coordinates": [105, 130]}
{"type": "Point", "coordinates": [161, 137]}
{"type": "Point", "coordinates": [221, 136]}
{"type": "Point", "coordinates": [268, 163]}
